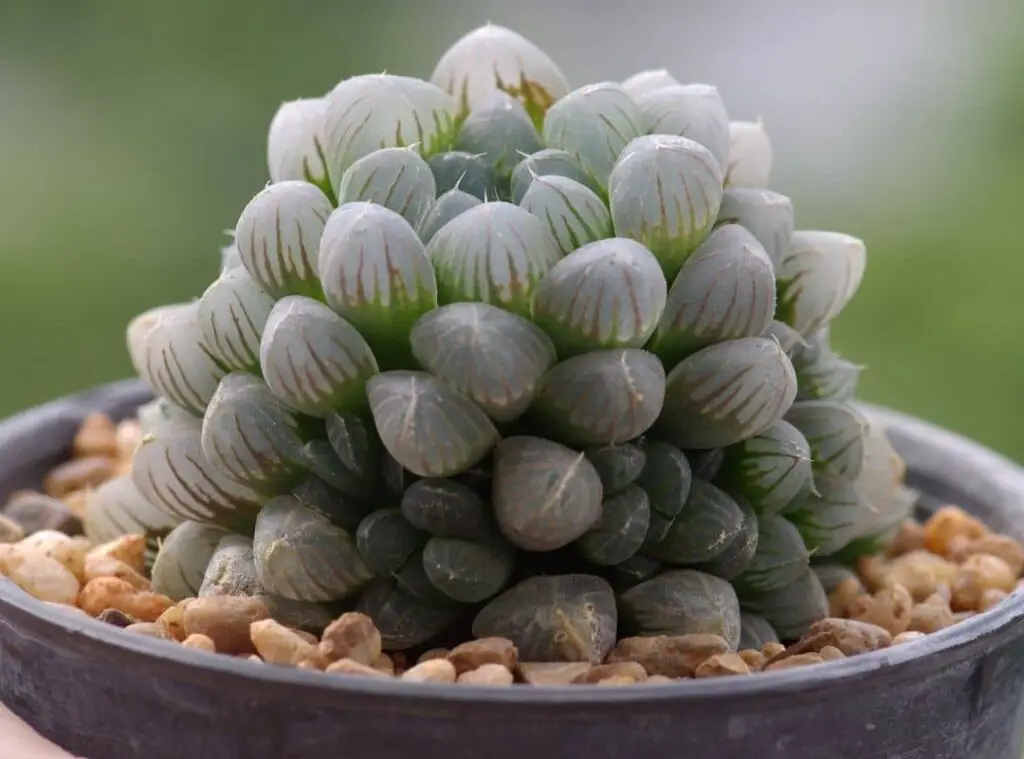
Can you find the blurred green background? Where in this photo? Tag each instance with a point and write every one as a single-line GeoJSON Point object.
{"type": "Point", "coordinates": [132, 134]}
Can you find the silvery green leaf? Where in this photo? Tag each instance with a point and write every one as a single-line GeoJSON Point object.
{"type": "Point", "coordinates": [342, 508]}
{"type": "Point", "coordinates": [457, 169]}
{"type": "Point", "coordinates": [232, 314]}
{"type": "Point", "coordinates": [607, 294]}
{"type": "Point", "coordinates": [881, 483]}
{"type": "Point", "coordinates": [314, 360]}
{"type": "Point", "coordinates": [430, 429]}
{"type": "Point", "coordinates": [451, 204]}
{"type": "Point", "coordinates": [355, 444]}
{"type": "Point", "coordinates": [793, 608]}
{"type": "Point", "coordinates": [765, 214]}
{"type": "Point", "coordinates": [704, 528]}
{"type": "Point", "coordinates": [755, 631]}
{"type": "Point", "coordinates": [183, 557]}
{"type": "Point", "coordinates": [494, 357]}
{"type": "Point", "coordinates": [666, 478]}
{"type": "Point", "coordinates": [647, 81]}
{"type": "Point", "coordinates": [750, 155]}
{"type": "Point", "coordinates": [594, 124]}
{"type": "Point", "coordinates": [160, 413]}
{"type": "Point", "coordinates": [230, 258]}
{"type": "Point", "coordinates": [499, 130]}
{"type": "Point", "coordinates": [681, 602]}
{"type": "Point", "coordinates": [781, 558]}
{"type": "Point", "coordinates": [174, 474]}
{"type": "Point", "coordinates": [278, 235]}
{"type": "Point", "coordinates": [396, 178]}
{"type": "Point", "coordinates": [835, 432]}
{"type": "Point", "coordinates": [573, 212]}
{"type": "Point", "coordinates": [825, 375]}
{"type": "Point", "coordinates": [373, 111]}
{"type": "Point", "coordinates": [494, 253]}
{"type": "Point", "coordinates": [492, 58]}
{"type": "Point", "coordinates": [169, 353]}
{"type": "Point", "coordinates": [301, 555]}
{"type": "Point", "coordinates": [118, 507]}
{"type": "Point", "coordinates": [726, 393]}
{"type": "Point", "coordinates": [295, 142]}
{"type": "Point", "coordinates": [695, 111]}
{"type": "Point", "coordinates": [617, 465]}
{"type": "Point", "coordinates": [376, 275]}
{"type": "Point", "coordinates": [619, 534]}
{"type": "Point", "coordinates": [817, 277]}
{"type": "Point", "coordinates": [251, 436]}
{"type": "Point", "coordinates": [771, 470]}
{"type": "Point", "coordinates": [544, 163]}
{"type": "Point", "coordinates": [725, 290]}
{"type": "Point", "coordinates": [447, 508]}
{"type": "Point", "coordinates": [601, 397]}
{"type": "Point", "coordinates": [468, 571]}
{"type": "Point", "coordinates": [665, 191]}
{"type": "Point", "coordinates": [402, 620]}
{"type": "Point", "coordinates": [545, 495]}
{"type": "Point", "coordinates": [829, 517]}
{"type": "Point", "coordinates": [791, 341]}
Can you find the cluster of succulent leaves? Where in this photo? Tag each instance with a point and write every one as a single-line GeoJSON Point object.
{"type": "Point", "coordinates": [487, 351]}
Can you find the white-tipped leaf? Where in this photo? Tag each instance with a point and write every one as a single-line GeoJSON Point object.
{"type": "Point", "coordinates": [572, 211]}
{"type": "Point", "coordinates": [396, 178]}
{"type": "Point", "coordinates": [750, 155]}
{"type": "Point", "coordinates": [449, 205]}
{"type": "Point", "coordinates": [547, 162]}
{"type": "Point", "coordinates": [767, 215]}
{"type": "Point", "coordinates": [278, 235]}
{"type": "Point", "coordinates": [817, 276]}
{"type": "Point", "coordinates": [118, 507]}
{"type": "Point", "coordinates": [295, 141]}
{"type": "Point", "coordinates": [695, 111]}
{"type": "Point", "coordinates": [499, 131]}
{"type": "Point", "coordinates": [459, 170]}
{"type": "Point", "coordinates": [232, 314]}
{"type": "Point", "coordinates": [835, 432]}
{"type": "Point", "coordinates": [643, 82]}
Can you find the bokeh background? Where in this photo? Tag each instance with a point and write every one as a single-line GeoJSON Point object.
{"type": "Point", "coordinates": [132, 134]}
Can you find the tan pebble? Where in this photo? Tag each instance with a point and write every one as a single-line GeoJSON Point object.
{"type": "Point", "coordinates": [599, 672]}
{"type": "Point", "coordinates": [921, 573]}
{"type": "Point", "coordinates": [76, 502]}
{"type": "Point", "coordinates": [931, 615]}
{"type": "Point", "coordinates": [9, 555]}
{"type": "Point", "coordinates": [659, 680]}
{"type": "Point", "coordinates": [488, 674]}
{"type": "Point", "coordinates": [431, 671]}
{"type": "Point", "coordinates": [947, 523]}
{"type": "Point", "coordinates": [69, 551]}
{"type": "Point", "coordinates": [351, 636]}
{"type": "Point", "coordinates": [278, 644]}
{"type": "Point", "coordinates": [1003, 546]}
{"type": "Point", "coordinates": [721, 665]}
{"type": "Point", "coordinates": [112, 593]}
{"type": "Point", "coordinates": [907, 637]}
{"type": "Point", "coordinates": [313, 665]}
{"type": "Point", "coordinates": [384, 664]}
{"type": "Point", "coordinates": [848, 635]}
{"type": "Point", "coordinates": [669, 655]}
{"type": "Point", "coordinates": [352, 667]}
{"type": "Point", "coordinates": [76, 474]}
{"type": "Point", "coordinates": [889, 609]}
{"type": "Point", "coordinates": [149, 629]}
{"type": "Point", "coordinates": [10, 531]}
{"type": "Point", "coordinates": [754, 659]}
{"type": "Point", "coordinates": [909, 537]}
{"type": "Point", "coordinates": [978, 573]}
{"type": "Point", "coordinates": [128, 437]}
{"type": "Point", "coordinates": [42, 577]}
{"type": "Point", "coordinates": [433, 653]}
{"type": "Point", "coordinates": [476, 653]}
{"type": "Point", "coordinates": [845, 593]}
{"type": "Point", "coordinates": [616, 680]}
{"type": "Point", "coordinates": [551, 673]}
{"type": "Point", "coordinates": [173, 619]}
{"type": "Point", "coordinates": [872, 570]}
{"type": "Point", "coordinates": [991, 598]}
{"type": "Point", "coordinates": [251, 657]}
{"type": "Point", "coordinates": [108, 566]}
{"type": "Point", "coordinates": [772, 649]}
{"type": "Point", "coordinates": [227, 620]}
{"type": "Point", "coordinates": [117, 618]}
{"type": "Point", "coordinates": [798, 660]}
{"type": "Point", "coordinates": [831, 653]}
{"type": "Point", "coordinates": [96, 436]}
{"type": "Point", "coordinates": [202, 642]}
{"type": "Point", "coordinates": [130, 549]}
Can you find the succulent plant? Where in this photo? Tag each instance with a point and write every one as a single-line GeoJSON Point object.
{"type": "Point", "coordinates": [489, 349]}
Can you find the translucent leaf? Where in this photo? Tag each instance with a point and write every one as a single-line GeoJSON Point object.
{"type": "Point", "coordinates": [230, 258]}
{"type": "Point", "coordinates": [791, 610]}
{"type": "Point", "coordinates": [665, 191]}
{"type": "Point", "coordinates": [494, 253]}
{"type": "Point", "coordinates": [817, 277]}
{"type": "Point", "coordinates": [232, 313]}
{"type": "Point", "coordinates": [278, 235]}
{"type": "Point", "coordinates": [601, 397]}
{"type": "Point", "coordinates": [755, 632]}
{"type": "Point", "coordinates": [447, 207]}
{"type": "Point", "coordinates": [499, 130]}
{"type": "Point", "coordinates": [788, 338]}
{"type": "Point", "coordinates": [183, 557]}
{"type": "Point", "coordinates": [647, 81]}
{"type": "Point", "coordinates": [172, 472]}
{"type": "Point", "coordinates": [724, 291]}
{"type": "Point", "coordinates": [695, 111]}
{"type": "Point", "coordinates": [459, 170]}
{"type": "Point", "coordinates": [548, 162]}
{"type": "Point", "coordinates": [682, 602]}
{"type": "Point", "coordinates": [494, 357]}
{"type": "Point", "coordinates": [750, 155]}
{"type": "Point", "coordinates": [295, 140]}
{"type": "Point", "coordinates": [829, 517]}
{"type": "Point", "coordinates": [429, 428]}
{"type": "Point", "coordinates": [492, 58]}
{"type": "Point", "coordinates": [594, 123]}
{"type": "Point", "coordinates": [160, 413]}
{"type": "Point", "coordinates": [396, 178]}
{"type": "Point", "coordinates": [168, 351]}
{"type": "Point", "coordinates": [373, 111]}
{"type": "Point", "coordinates": [618, 466]}
{"type": "Point", "coordinates": [118, 507]}
{"type": "Point", "coordinates": [572, 211]}
{"type": "Point", "coordinates": [835, 432]}
{"type": "Point", "coordinates": [771, 470]}
{"type": "Point", "coordinates": [726, 393]}
{"type": "Point", "coordinates": [377, 276]}
{"type": "Point", "coordinates": [739, 554]}
{"type": "Point", "coordinates": [354, 442]}
{"type": "Point", "coordinates": [620, 532]}
{"type": "Point", "coordinates": [704, 528]}
{"type": "Point", "coordinates": [780, 559]}
{"type": "Point", "coordinates": [467, 571]}
{"type": "Point", "coordinates": [666, 478]}
{"type": "Point", "coordinates": [545, 495]}
{"type": "Point", "coordinates": [402, 620]}
{"type": "Point", "coordinates": [447, 509]}
{"type": "Point", "coordinates": [822, 374]}
{"type": "Point", "coordinates": [341, 508]}
{"type": "Point", "coordinates": [314, 360]}
{"type": "Point", "coordinates": [387, 540]}
{"type": "Point", "coordinates": [765, 214]}
{"type": "Point", "coordinates": [607, 294]}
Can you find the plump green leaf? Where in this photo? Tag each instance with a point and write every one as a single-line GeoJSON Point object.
{"type": "Point", "coordinates": [621, 530]}
{"type": "Point", "coordinates": [341, 508]}
{"type": "Point", "coordinates": [448, 509]}
{"type": "Point", "coordinates": [468, 172]}
{"type": "Point", "coordinates": [755, 632]}
{"type": "Point", "coordinates": [450, 205]}
{"type": "Point", "coordinates": [633, 571]}
{"type": "Point", "coordinates": [835, 433]}
{"type": "Point", "coordinates": [548, 162]}
{"type": "Point", "coordinates": [771, 470]}
{"type": "Point", "coordinates": [232, 313]}
{"type": "Point", "coordinates": [781, 557]}
{"type": "Point", "coordinates": [355, 444]}
{"type": "Point", "coordinates": [666, 478]}
{"type": "Point", "coordinates": [750, 155]}
{"type": "Point", "coordinates": [767, 215]}
{"type": "Point", "coordinates": [792, 609]}
{"type": "Point", "coordinates": [617, 465]}
{"type": "Point", "coordinates": [386, 540]}
{"type": "Point", "coordinates": [499, 130]}
{"type": "Point", "coordinates": [818, 275]}
{"type": "Point", "coordinates": [695, 111]}
{"type": "Point", "coordinates": [468, 571]}
{"type": "Point", "coordinates": [396, 178]}
{"type": "Point", "coordinates": [572, 211]}
{"type": "Point", "coordinates": [183, 557]}
{"type": "Point", "coordinates": [705, 527]}
{"type": "Point", "coordinates": [739, 554]}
